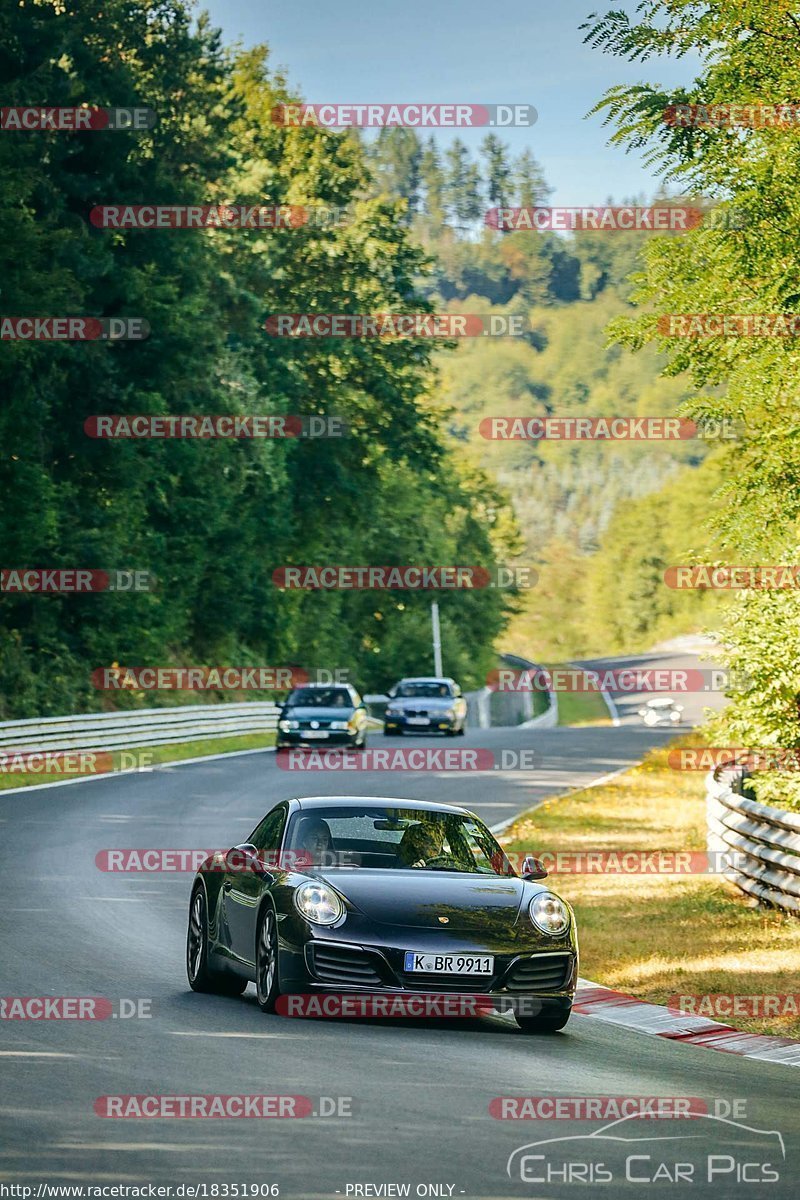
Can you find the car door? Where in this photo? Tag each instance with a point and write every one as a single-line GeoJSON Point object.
{"type": "Point", "coordinates": [242, 889]}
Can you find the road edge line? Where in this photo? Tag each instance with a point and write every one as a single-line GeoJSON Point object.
{"type": "Point", "coordinates": [171, 762]}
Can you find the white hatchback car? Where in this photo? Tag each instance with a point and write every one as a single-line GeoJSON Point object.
{"type": "Point", "coordinates": [661, 710]}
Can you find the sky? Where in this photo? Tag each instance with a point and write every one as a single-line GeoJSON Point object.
{"type": "Point", "coordinates": [469, 51]}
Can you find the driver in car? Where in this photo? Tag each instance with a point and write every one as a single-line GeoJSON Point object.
{"type": "Point", "coordinates": [314, 841]}
{"type": "Point", "coordinates": [420, 844]}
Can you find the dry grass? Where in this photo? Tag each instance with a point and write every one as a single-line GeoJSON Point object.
{"type": "Point", "coordinates": [657, 935]}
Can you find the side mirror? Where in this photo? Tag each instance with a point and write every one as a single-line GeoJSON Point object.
{"type": "Point", "coordinates": [243, 857]}
{"type": "Point", "coordinates": [533, 868]}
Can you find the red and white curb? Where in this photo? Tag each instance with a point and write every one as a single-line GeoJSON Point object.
{"type": "Point", "coordinates": [617, 1008]}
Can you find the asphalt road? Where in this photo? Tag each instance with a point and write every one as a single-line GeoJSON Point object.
{"type": "Point", "coordinates": [418, 1092]}
{"type": "Point", "coordinates": [684, 662]}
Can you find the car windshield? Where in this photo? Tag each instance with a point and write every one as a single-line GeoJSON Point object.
{"type": "Point", "coordinates": [319, 698]}
{"type": "Point", "coordinates": [426, 687]}
{"type": "Point", "coordinates": [382, 838]}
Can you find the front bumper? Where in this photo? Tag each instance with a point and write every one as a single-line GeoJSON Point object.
{"type": "Point", "coordinates": [299, 738]}
{"type": "Point", "coordinates": [436, 724]}
{"type": "Point", "coordinates": [348, 961]}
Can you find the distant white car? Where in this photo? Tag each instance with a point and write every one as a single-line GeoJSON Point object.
{"type": "Point", "coordinates": [661, 710]}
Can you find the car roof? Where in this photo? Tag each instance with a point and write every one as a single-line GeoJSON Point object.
{"type": "Point", "coordinates": [426, 679]}
{"type": "Point", "coordinates": [660, 701]}
{"type": "Point", "coordinates": [321, 685]}
{"type": "Point", "coordinates": [305, 802]}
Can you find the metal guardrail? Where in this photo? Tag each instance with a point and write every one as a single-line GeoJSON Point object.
{"type": "Point", "coordinates": [760, 844]}
{"type": "Point", "coordinates": [544, 720]}
{"type": "Point", "coordinates": [139, 727]}
{"type": "Point", "coordinates": [188, 723]}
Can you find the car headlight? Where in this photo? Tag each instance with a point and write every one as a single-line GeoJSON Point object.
{"type": "Point", "coordinates": [450, 714]}
{"type": "Point", "coordinates": [285, 724]}
{"type": "Point", "coordinates": [392, 712]}
{"type": "Point", "coordinates": [549, 914]}
{"type": "Point", "coordinates": [318, 903]}
{"type": "Point", "coordinates": [340, 725]}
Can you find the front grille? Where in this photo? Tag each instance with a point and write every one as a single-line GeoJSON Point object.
{"type": "Point", "coordinates": [416, 712]}
{"type": "Point", "coordinates": [345, 965]}
{"type": "Point", "coordinates": [416, 981]}
{"type": "Point", "coordinates": [540, 973]}
{"type": "Point", "coordinates": [320, 724]}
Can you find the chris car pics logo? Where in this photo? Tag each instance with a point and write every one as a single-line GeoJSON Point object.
{"type": "Point", "coordinates": [645, 1150]}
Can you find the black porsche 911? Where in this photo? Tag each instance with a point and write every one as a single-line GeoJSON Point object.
{"type": "Point", "coordinates": [385, 897]}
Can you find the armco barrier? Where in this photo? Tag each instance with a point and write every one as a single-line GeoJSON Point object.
{"type": "Point", "coordinates": [546, 719]}
{"type": "Point", "coordinates": [763, 843]}
{"type": "Point", "coordinates": [140, 727]}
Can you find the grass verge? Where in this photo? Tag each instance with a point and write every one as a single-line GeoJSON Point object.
{"type": "Point", "coordinates": [144, 756]}
{"type": "Point", "coordinates": [655, 936]}
{"type": "Point", "coordinates": [580, 708]}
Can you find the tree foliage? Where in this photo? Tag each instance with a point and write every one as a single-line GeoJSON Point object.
{"type": "Point", "coordinates": [212, 519]}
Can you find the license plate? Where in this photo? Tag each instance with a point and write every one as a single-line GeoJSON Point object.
{"type": "Point", "coordinates": [449, 964]}
{"type": "Point", "coordinates": [418, 720]}
{"type": "Point", "coordinates": [313, 733]}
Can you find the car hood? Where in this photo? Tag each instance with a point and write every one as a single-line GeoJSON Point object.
{"type": "Point", "coordinates": [418, 898]}
{"type": "Point", "coordinates": [315, 713]}
{"type": "Point", "coordinates": [430, 702]}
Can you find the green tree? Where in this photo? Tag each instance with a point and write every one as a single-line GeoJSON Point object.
{"type": "Point", "coordinates": [395, 159]}
{"type": "Point", "coordinates": [498, 170]}
{"type": "Point", "coordinates": [433, 182]}
{"type": "Point", "coordinates": [462, 185]}
{"type": "Point", "coordinates": [530, 185]}
{"type": "Point", "coordinates": [748, 55]}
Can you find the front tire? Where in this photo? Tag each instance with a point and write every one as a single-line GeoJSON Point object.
{"type": "Point", "coordinates": [202, 977]}
{"type": "Point", "coordinates": [267, 983]}
{"type": "Point", "coordinates": [545, 1022]}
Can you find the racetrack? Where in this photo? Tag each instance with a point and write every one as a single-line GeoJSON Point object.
{"type": "Point", "coordinates": [420, 1091]}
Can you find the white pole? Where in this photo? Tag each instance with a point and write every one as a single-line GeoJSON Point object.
{"type": "Point", "coordinates": [437, 641]}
